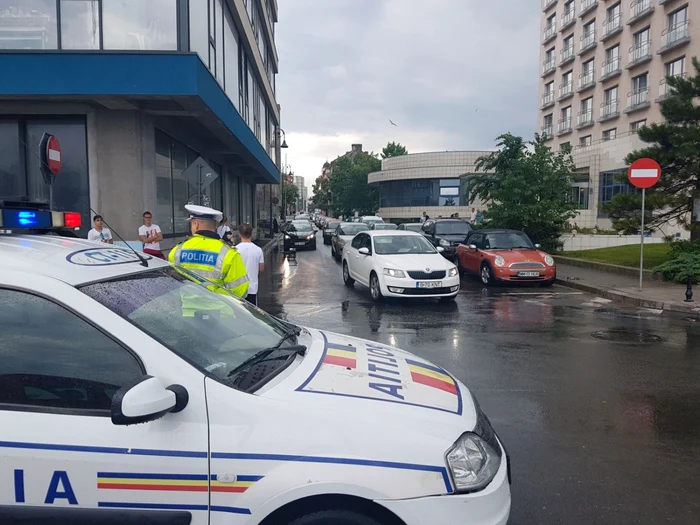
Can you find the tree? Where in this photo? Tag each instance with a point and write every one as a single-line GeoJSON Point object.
{"type": "Point", "coordinates": [348, 185]}
{"type": "Point", "coordinates": [290, 194]}
{"type": "Point", "coordinates": [674, 144]}
{"type": "Point", "coordinates": [526, 186]}
{"type": "Point", "coordinates": [321, 198]}
{"type": "Point", "coordinates": [393, 149]}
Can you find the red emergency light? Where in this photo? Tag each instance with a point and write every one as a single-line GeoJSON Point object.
{"type": "Point", "coordinates": [72, 219]}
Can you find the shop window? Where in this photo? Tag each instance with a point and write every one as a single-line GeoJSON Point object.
{"type": "Point", "coordinates": [28, 24]}
{"type": "Point", "coordinates": [139, 25]}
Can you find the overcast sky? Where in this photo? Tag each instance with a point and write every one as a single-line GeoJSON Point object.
{"type": "Point", "coordinates": [452, 74]}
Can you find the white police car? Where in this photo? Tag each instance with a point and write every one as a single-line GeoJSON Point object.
{"type": "Point", "coordinates": [118, 404]}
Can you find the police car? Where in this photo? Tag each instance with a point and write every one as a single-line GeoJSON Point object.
{"type": "Point", "coordinates": [117, 405]}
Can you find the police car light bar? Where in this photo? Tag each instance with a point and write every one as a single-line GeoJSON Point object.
{"type": "Point", "coordinates": [26, 219]}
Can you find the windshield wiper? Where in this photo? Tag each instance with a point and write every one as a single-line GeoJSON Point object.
{"type": "Point", "coordinates": [261, 356]}
{"type": "Point", "coordinates": [294, 332]}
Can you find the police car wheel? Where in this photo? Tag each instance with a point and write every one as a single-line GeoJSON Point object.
{"type": "Point", "coordinates": [335, 517]}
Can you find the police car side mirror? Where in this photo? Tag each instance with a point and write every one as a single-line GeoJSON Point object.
{"type": "Point", "coordinates": [147, 400]}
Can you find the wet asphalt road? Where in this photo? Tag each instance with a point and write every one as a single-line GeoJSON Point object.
{"type": "Point", "coordinates": [598, 405]}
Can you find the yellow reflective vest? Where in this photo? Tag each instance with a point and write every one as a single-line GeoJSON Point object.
{"type": "Point", "coordinates": [206, 255]}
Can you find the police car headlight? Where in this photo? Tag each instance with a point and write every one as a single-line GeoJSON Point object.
{"type": "Point", "coordinates": [394, 273]}
{"type": "Point", "coordinates": [475, 458]}
{"type": "Point", "coordinates": [499, 261]}
{"type": "Point", "coordinates": [548, 259]}
{"type": "Point", "coordinates": [452, 272]}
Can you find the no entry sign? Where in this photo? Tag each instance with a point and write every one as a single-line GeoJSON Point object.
{"type": "Point", "coordinates": [53, 155]}
{"type": "Point", "coordinates": [644, 173]}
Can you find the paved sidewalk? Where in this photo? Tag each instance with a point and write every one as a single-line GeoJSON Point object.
{"type": "Point", "coordinates": [625, 289]}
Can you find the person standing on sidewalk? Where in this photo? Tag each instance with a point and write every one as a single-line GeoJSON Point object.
{"type": "Point", "coordinates": [151, 236]}
{"type": "Point", "coordinates": [99, 233]}
{"type": "Point", "coordinates": [254, 260]}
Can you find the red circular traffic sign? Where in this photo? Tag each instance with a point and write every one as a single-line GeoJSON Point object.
{"type": "Point", "coordinates": [53, 155]}
{"type": "Point", "coordinates": [644, 173]}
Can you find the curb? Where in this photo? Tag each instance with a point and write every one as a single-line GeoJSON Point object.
{"type": "Point", "coordinates": [608, 268]}
{"type": "Point", "coordinates": [631, 300]}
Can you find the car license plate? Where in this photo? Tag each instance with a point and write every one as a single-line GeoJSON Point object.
{"type": "Point", "coordinates": [299, 243]}
{"type": "Point", "coordinates": [528, 274]}
{"type": "Point", "coordinates": [429, 284]}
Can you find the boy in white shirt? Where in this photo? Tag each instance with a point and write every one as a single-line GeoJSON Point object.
{"type": "Point", "coordinates": [151, 236]}
{"type": "Point", "coordinates": [99, 233]}
{"type": "Point", "coordinates": [253, 258]}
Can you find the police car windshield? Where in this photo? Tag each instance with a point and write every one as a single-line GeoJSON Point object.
{"type": "Point", "coordinates": [215, 332]}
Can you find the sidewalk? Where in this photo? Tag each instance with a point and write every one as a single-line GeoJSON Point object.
{"type": "Point", "coordinates": [625, 289]}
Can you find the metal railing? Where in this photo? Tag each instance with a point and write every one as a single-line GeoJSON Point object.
{"type": "Point", "coordinates": [548, 98]}
{"type": "Point", "coordinates": [639, 8]}
{"type": "Point", "coordinates": [640, 52]}
{"type": "Point", "coordinates": [564, 125]}
{"type": "Point", "coordinates": [610, 25]}
{"type": "Point", "coordinates": [610, 108]}
{"type": "Point", "coordinates": [585, 117]}
{"type": "Point", "coordinates": [550, 31]}
{"type": "Point", "coordinates": [566, 54]}
{"type": "Point", "coordinates": [675, 33]}
{"type": "Point", "coordinates": [587, 78]}
{"type": "Point", "coordinates": [568, 16]}
{"type": "Point", "coordinates": [587, 5]}
{"type": "Point", "coordinates": [637, 98]}
{"type": "Point", "coordinates": [587, 40]}
{"type": "Point", "coordinates": [549, 65]}
{"type": "Point", "coordinates": [610, 67]}
{"type": "Point", "coordinates": [565, 89]}
{"type": "Point", "coordinates": [548, 3]}
{"type": "Point", "coordinates": [547, 131]}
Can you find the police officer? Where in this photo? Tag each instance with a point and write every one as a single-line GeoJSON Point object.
{"type": "Point", "coordinates": [207, 255]}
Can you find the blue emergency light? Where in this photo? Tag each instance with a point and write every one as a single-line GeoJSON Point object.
{"type": "Point", "coordinates": [26, 219]}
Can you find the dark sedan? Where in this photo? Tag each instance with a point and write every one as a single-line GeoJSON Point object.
{"type": "Point", "coordinates": [328, 230]}
{"type": "Point", "coordinates": [300, 235]}
{"type": "Point", "coordinates": [446, 233]}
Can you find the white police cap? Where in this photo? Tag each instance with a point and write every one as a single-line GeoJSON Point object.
{"type": "Point", "coordinates": [203, 212]}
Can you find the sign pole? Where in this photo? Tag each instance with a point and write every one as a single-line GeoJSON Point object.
{"type": "Point", "coordinates": [641, 254]}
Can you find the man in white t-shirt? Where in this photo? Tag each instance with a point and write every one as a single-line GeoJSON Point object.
{"type": "Point", "coordinates": [151, 236]}
{"type": "Point", "coordinates": [253, 258]}
{"type": "Point", "coordinates": [99, 233]}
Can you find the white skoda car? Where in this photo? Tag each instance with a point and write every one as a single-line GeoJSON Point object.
{"type": "Point", "coordinates": [399, 264]}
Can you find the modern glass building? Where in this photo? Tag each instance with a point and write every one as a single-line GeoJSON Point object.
{"type": "Point", "coordinates": [136, 91]}
{"type": "Point", "coordinates": [436, 183]}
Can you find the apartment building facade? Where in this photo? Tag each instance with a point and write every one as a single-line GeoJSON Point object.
{"type": "Point", "coordinates": [603, 76]}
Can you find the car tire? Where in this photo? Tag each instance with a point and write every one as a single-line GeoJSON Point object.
{"type": "Point", "coordinates": [349, 281]}
{"type": "Point", "coordinates": [313, 247]}
{"type": "Point", "coordinates": [486, 274]}
{"type": "Point", "coordinates": [375, 289]}
{"type": "Point", "coordinates": [334, 517]}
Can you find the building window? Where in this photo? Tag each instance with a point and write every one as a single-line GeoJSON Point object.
{"type": "Point", "coordinates": [139, 25]}
{"type": "Point", "coordinates": [12, 179]}
{"type": "Point", "coordinates": [231, 67]}
{"type": "Point", "coordinates": [564, 146]}
{"type": "Point", "coordinates": [611, 183]}
{"type": "Point", "coordinates": [80, 24]}
{"type": "Point", "coordinates": [28, 24]}
{"type": "Point", "coordinates": [585, 141]}
{"type": "Point", "coordinates": [675, 68]}
{"type": "Point", "coordinates": [610, 134]}
{"type": "Point", "coordinates": [634, 126]}
{"type": "Point", "coordinates": [579, 195]}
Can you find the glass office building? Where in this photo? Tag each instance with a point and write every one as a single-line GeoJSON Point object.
{"type": "Point", "coordinates": [136, 91]}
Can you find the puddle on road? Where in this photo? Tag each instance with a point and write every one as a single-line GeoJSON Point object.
{"type": "Point", "coordinates": [624, 335]}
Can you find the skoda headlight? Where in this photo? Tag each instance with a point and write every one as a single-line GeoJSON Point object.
{"type": "Point", "coordinates": [452, 272]}
{"type": "Point", "coordinates": [548, 259]}
{"type": "Point", "coordinates": [499, 261]}
{"type": "Point", "coordinates": [394, 273]}
{"type": "Point", "coordinates": [475, 458]}
{"type": "Point", "coordinates": [444, 243]}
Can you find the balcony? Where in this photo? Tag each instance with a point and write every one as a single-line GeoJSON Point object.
{"type": "Point", "coordinates": [610, 69]}
{"type": "Point", "coordinates": [549, 66]}
{"type": "Point", "coordinates": [547, 132]}
{"type": "Point", "coordinates": [584, 119]}
{"type": "Point", "coordinates": [637, 100]}
{"type": "Point", "coordinates": [665, 89]}
{"type": "Point", "coordinates": [586, 80]}
{"type": "Point", "coordinates": [567, 55]}
{"type": "Point", "coordinates": [640, 9]}
{"type": "Point", "coordinates": [588, 42]}
{"type": "Point", "coordinates": [674, 36]}
{"type": "Point", "coordinates": [639, 54]}
{"type": "Point", "coordinates": [548, 100]}
{"type": "Point", "coordinates": [566, 90]}
{"type": "Point", "coordinates": [547, 4]}
{"type": "Point", "coordinates": [587, 6]}
{"type": "Point", "coordinates": [564, 126]}
{"type": "Point", "coordinates": [609, 110]}
{"type": "Point", "coordinates": [611, 27]}
{"type": "Point", "coordinates": [549, 33]}
{"type": "Point", "coordinates": [568, 18]}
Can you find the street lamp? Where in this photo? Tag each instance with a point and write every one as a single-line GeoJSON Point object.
{"type": "Point", "coordinates": [282, 135]}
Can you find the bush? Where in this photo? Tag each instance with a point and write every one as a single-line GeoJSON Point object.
{"type": "Point", "coordinates": [683, 262]}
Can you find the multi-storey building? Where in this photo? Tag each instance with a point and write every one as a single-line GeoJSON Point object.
{"type": "Point", "coordinates": [135, 91]}
{"type": "Point", "coordinates": [603, 76]}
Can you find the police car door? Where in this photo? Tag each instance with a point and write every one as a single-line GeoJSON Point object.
{"type": "Point", "coordinates": [63, 358]}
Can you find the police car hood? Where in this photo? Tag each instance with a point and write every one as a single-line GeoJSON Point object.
{"type": "Point", "coordinates": [348, 376]}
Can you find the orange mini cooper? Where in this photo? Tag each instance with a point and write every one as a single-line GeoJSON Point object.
{"type": "Point", "coordinates": [506, 256]}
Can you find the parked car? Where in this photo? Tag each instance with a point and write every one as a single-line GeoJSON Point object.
{"type": "Point", "coordinates": [300, 235]}
{"type": "Point", "coordinates": [411, 226]}
{"type": "Point", "coordinates": [446, 233]}
{"type": "Point", "coordinates": [344, 233]}
{"type": "Point", "coordinates": [371, 219]}
{"type": "Point", "coordinates": [399, 264]}
{"type": "Point", "coordinates": [383, 226]}
{"type": "Point", "coordinates": [505, 256]}
{"type": "Point", "coordinates": [328, 230]}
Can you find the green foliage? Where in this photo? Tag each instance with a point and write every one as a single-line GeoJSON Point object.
{"type": "Point", "coordinates": [321, 198]}
{"type": "Point", "coordinates": [349, 188]}
{"type": "Point", "coordinates": [393, 149]}
{"type": "Point", "coordinates": [683, 262]}
{"type": "Point", "coordinates": [526, 189]}
{"type": "Point", "coordinates": [674, 145]}
{"type": "Point", "coordinates": [290, 194]}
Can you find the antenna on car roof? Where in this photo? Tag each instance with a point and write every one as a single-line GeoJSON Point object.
{"type": "Point", "coordinates": [142, 259]}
